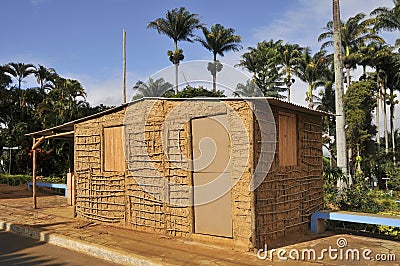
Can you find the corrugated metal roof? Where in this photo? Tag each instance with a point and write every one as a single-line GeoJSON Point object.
{"type": "Point", "coordinates": [271, 101]}
{"type": "Point", "coordinates": [69, 126]}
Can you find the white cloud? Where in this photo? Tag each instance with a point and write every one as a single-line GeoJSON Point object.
{"type": "Point", "coordinates": [303, 24]}
{"type": "Point", "coordinates": [106, 91]}
{"type": "Point", "coordinates": [38, 2]}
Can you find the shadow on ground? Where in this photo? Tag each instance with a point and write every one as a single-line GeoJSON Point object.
{"type": "Point", "coordinates": [11, 251]}
{"type": "Point", "coordinates": [21, 191]}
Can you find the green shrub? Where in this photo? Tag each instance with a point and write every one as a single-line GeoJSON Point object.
{"type": "Point", "coordinates": [14, 180]}
{"type": "Point", "coordinates": [359, 198]}
{"type": "Point", "coordinates": [393, 173]}
{"type": "Point", "coordinates": [54, 179]}
{"type": "Point", "coordinates": [191, 92]}
{"type": "Point", "coordinates": [390, 230]}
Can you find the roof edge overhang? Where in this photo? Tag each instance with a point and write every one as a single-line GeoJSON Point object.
{"type": "Point", "coordinates": [271, 100]}
{"type": "Point", "coordinates": [69, 126]}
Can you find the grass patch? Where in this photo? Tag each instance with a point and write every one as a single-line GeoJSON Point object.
{"type": "Point", "coordinates": [16, 180]}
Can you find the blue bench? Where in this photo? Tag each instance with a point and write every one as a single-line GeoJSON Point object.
{"type": "Point", "coordinates": [318, 223]}
{"type": "Point", "coordinates": [49, 185]}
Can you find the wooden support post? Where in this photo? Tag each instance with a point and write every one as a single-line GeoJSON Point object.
{"type": "Point", "coordinates": [34, 175]}
{"type": "Point", "coordinates": [37, 142]}
{"type": "Point", "coordinates": [35, 145]}
{"type": "Point", "coordinates": [252, 151]}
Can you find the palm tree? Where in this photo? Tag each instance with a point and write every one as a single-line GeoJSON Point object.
{"type": "Point", "coordinates": [178, 25]}
{"type": "Point", "coordinates": [341, 147]}
{"type": "Point", "coordinates": [381, 60]}
{"type": "Point", "coordinates": [290, 60]}
{"type": "Point", "coordinates": [20, 71]}
{"type": "Point", "coordinates": [219, 40]}
{"type": "Point", "coordinates": [393, 101]}
{"type": "Point", "coordinates": [5, 79]}
{"type": "Point", "coordinates": [311, 70]}
{"type": "Point", "coordinates": [394, 82]}
{"type": "Point", "coordinates": [263, 62]}
{"type": "Point", "coordinates": [327, 104]}
{"type": "Point", "coordinates": [371, 55]}
{"type": "Point", "coordinates": [45, 77]}
{"type": "Point", "coordinates": [387, 19]}
{"type": "Point", "coordinates": [64, 98]}
{"type": "Point", "coordinates": [249, 90]}
{"type": "Point", "coordinates": [355, 32]}
{"type": "Point", "coordinates": [151, 88]}
{"type": "Point", "coordinates": [388, 65]}
{"type": "Point", "coordinates": [365, 56]}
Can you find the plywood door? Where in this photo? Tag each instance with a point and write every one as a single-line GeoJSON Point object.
{"type": "Point", "coordinates": [287, 139]}
{"type": "Point", "coordinates": [211, 176]}
{"type": "Point", "coordinates": [113, 149]}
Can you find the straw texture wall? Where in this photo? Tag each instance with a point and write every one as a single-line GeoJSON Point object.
{"type": "Point", "coordinates": [290, 194]}
{"type": "Point", "coordinates": [158, 149]}
{"type": "Point", "coordinates": [165, 165]}
{"type": "Point", "coordinates": [100, 195]}
{"type": "Point", "coordinates": [153, 193]}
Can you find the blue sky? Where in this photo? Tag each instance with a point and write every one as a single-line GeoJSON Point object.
{"type": "Point", "coordinates": [82, 39]}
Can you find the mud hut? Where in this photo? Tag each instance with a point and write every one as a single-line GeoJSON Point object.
{"type": "Point", "coordinates": [241, 172]}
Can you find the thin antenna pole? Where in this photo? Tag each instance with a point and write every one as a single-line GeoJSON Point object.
{"type": "Point", "coordinates": [124, 66]}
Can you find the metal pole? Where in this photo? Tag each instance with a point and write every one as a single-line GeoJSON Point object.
{"type": "Point", "coordinates": [124, 66]}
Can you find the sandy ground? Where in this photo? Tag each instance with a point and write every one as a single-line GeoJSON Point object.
{"type": "Point", "coordinates": [54, 216]}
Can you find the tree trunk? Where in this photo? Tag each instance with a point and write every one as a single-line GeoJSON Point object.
{"type": "Point", "coordinates": [392, 130]}
{"type": "Point", "coordinates": [382, 90]}
{"type": "Point", "coordinates": [359, 170]}
{"type": "Point", "coordinates": [350, 166]}
{"type": "Point", "coordinates": [310, 97]}
{"type": "Point", "coordinates": [288, 82]}
{"type": "Point", "coordinates": [176, 78]}
{"type": "Point", "coordinates": [215, 74]}
{"type": "Point", "coordinates": [385, 125]}
{"type": "Point", "coordinates": [377, 120]}
{"type": "Point", "coordinates": [339, 96]}
{"type": "Point", "coordinates": [176, 63]}
{"type": "Point", "coordinates": [348, 78]}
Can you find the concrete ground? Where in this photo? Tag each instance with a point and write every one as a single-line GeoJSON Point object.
{"type": "Point", "coordinates": [53, 222]}
{"type": "Point", "coordinates": [20, 250]}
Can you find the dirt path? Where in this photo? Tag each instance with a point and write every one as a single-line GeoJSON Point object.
{"type": "Point", "coordinates": [54, 216]}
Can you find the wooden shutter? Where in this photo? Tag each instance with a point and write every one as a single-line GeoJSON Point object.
{"type": "Point", "coordinates": [113, 154]}
{"type": "Point", "coordinates": [287, 139]}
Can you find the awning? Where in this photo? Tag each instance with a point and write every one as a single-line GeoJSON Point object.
{"type": "Point", "coordinates": [66, 130]}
